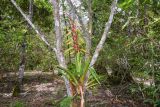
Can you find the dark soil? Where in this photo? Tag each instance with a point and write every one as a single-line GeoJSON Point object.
{"type": "Point", "coordinates": [43, 90]}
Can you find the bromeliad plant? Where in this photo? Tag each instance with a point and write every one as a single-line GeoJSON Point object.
{"type": "Point", "coordinates": [73, 39]}
{"type": "Point", "coordinates": [76, 73]}
{"type": "Point", "coordinates": [79, 66]}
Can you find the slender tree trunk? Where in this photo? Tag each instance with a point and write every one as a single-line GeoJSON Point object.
{"type": "Point", "coordinates": [23, 50]}
{"type": "Point", "coordinates": [59, 41]}
{"type": "Point", "coordinates": [90, 16]}
{"type": "Point", "coordinates": [30, 10]}
{"type": "Point", "coordinates": [18, 86]}
{"type": "Point", "coordinates": [22, 62]}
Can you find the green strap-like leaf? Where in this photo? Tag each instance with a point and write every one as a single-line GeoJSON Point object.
{"type": "Point", "coordinates": [93, 73]}
{"type": "Point", "coordinates": [85, 70]}
{"type": "Point", "coordinates": [71, 75]}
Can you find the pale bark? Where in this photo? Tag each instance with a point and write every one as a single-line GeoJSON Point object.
{"type": "Point", "coordinates": [59, 53]}
{"type": "Point", "coordinates": [23, 50]}
{"type": "Point", "coordinates": [86, 34]}
{"type": "Point", "coordinates": [22, 62]}
{"type": "Point", "coordinates": [31, 10]}
{"type": "Point", "coordinates": [21, 70]}
{"type": "Point", "coordinates": [90, 16]}
{"type": "Point", "coordinates": [103, 38]}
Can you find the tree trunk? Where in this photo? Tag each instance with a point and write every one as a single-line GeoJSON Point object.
{"type": "Point", "coordinates": [18, 86]}
{"type": "Point", "coordinates": [23, 52]}
{"type": "Point", "coordinates": [59, 53]}
{"type": "Point", "coordinates": [22, 63]}
{"type": "Point", "coordinates": [90, 16]}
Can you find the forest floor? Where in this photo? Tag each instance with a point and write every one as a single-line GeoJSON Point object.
{"type": "Point", "coordinates": [44, 89]}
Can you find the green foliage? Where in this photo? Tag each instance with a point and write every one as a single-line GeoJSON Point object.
{"type": "Point", "coordinates": [44, 4]}
{"type": "Point", "coordinates": [151, 101]}
{"type": "Point", "coordinates": [66, 102]}
{"type": "Point", "coordinates": [100, 16]}
{"type": "Point", "coordinates": [17, 104]}
{"type": "Point", "coordinates": [125, 4]}
{"type": "Point", "coordinates": [10, 43]}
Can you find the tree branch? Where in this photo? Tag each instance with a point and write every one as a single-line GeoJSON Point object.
{"type": "Point", "coordinates": [103, 38]}
{"type": "Point", "coordinates": [33, 26]}
{"type": "Point", "coordinates": [23, 50]}
{"type": "Point", "coordinates": [105, 34]}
